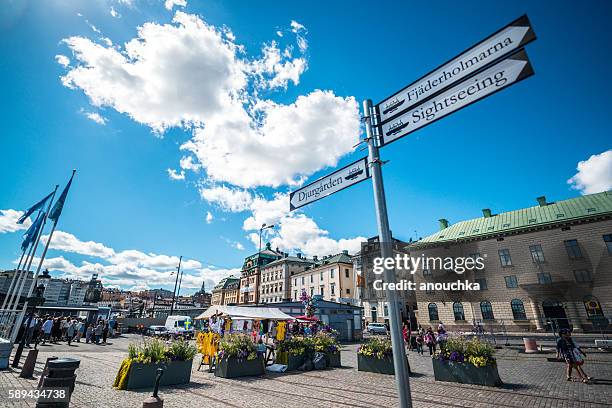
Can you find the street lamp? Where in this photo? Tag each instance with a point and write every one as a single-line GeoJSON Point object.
{"type": "Point", "coordinates": [263, 227]}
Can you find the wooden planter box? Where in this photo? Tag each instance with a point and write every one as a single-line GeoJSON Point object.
{"type": "Point", "coordinates": [466, 373]}
{"type": "Point", "coordinates": [233, 368]}
{"type": "Point", "coordinates": [375, 365]}
{"type": "Point", "coordinates": [143, 375]}
{"type": "Point", "coordinates": [292, 361]}
{"type": "Point", "coordinates": [333, 359]}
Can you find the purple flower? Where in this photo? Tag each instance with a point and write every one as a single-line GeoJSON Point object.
{"type": "Point", "coordinates": [456, 356]}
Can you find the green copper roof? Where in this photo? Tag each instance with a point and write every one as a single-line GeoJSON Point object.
{"type": "Point", "coordinates": [513, 221]}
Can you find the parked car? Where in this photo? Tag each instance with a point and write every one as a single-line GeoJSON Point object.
{"type": "Point", "coordinates": [157, 331]}
{"type": "Point", "coordinates": [377, 328]}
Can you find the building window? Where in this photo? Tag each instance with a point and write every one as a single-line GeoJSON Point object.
{"type": "Point", "coordinates": [302, 280]}
{"type": "Point", "coordinates": [518, 309]}
{"type": "Point", "coordinates": [487, 310]}
{"type": "Point", "coordinates": [295, 282]}
{"type": "Point", "coordinates": [311, 292]}
{"type": "Point", "coordinates": [474, 256]}
{"type": "Point", "coordinates": [322, 290]}
{"type": "Point", "coordinates": [583, 275]}
{"type": "Point", "coordinates": [426, 273]}
{"type": "Point", "coordinates": [593, 307]}
{"type": "Point", "coordinates": [321, 275]}
{"type": "Point", "coordinates": [311, 278]}
{"type": "Point", "coordinates": [433, 311]}
{"type": "Point", "coordinates": [385, 310]}
{"type": "Point", "coordinates": [348, 291]}
{"type": "Point", "coordinates": [458, 311]}
{"type": "Point", "coordinates": [332, 289]}
{"type": "Point", "coordinates": [544, 278]}
{"type": "Point", "coordinates": [511, 281]}
{"type": "Point", "coordinates": [429, 290]}
{"type": "Point", "coordinates": [346, 273]}
{"type": "Point", "coordinates": [504, 257]}
{"type": "Point", "coordinates": [331, 274]}
{"type": "Point", "coordinates": [608, 240]}
{"type": "Point", "coordinates": [573, 249]}
{"type": "Point", "coordinates": [295, 295]}
{"type": "Point", "coordinates": [482, 282]}
{"type": "Point", "coordinates": [537, 255]}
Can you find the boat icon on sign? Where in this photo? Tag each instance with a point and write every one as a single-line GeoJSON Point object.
{"type": "Point", "coordinates": [354, 173]}
{"type": "Point", "coordinates": [392, 105]}
{"type": "Point", "coordinates": [396, 128]}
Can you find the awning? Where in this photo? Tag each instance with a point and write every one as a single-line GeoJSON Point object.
{"type": "Point", "coordinates": [245, 313]}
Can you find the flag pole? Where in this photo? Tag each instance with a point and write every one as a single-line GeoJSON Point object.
{"type": "Point", "coordinates": [27, 269]}
{"type": "Point", "coordinates": [11, 287]}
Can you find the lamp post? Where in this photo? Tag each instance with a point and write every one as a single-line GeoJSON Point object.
{"type": "Point", "coordinates": [263, 227]}
{"type": "Point", "coordinates": [178, 271]}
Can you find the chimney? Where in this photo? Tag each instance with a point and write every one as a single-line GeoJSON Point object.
{"type": "Point", "coordinates": [315, 258]}
{"type": "Point", "coordinates": [486, 213]}
{"type": "Point", "coordinates": [443, 223]}
{"type": "Point", "coordinates": [542, 201]}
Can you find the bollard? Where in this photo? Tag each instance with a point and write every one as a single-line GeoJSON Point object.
{"type": "Point", "coordinates": [60, 375]}
{"type": "Point", "coordinates": [28, 367]}
{"type": "Point", "coordinates": [45, 370]}
{"type": "Point", "coordinates": [154, 401]}
{"type": "Point", "coordinates": [530, 345]}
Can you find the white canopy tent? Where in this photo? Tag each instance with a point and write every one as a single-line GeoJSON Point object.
{"type": "Point", "coordinates": [245, 313]}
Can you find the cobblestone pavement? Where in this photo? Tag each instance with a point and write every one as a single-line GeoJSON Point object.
{"type": "Point", "coordinates": [530, 381]}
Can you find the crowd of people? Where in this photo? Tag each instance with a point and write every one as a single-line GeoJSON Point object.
{"type": "Point", "coordinates": [424, 337]}
{"type": "Point", "coordinates": [43, 329]}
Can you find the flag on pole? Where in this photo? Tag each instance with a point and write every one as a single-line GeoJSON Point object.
{"type": "Point", "coordinates": [56, 211]}
{"type": "Point", "coordinates": [32, 232]}
{"type": "Point", "coordinates": [33, 208]}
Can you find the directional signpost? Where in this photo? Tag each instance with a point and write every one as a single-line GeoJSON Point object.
{"type": "Point", "coordinates": [489, 66]}
{"type": "Point", "coordinates": [330, 184]}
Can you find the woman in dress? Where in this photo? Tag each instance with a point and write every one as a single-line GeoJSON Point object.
{"type": "Point", "coordinates": [572, 354]}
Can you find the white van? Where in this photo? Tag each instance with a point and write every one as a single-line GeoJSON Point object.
{"type": "Point", "coordinates": [179, 326]}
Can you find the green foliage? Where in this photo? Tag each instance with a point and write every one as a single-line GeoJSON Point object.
{"type": "Point", "coordinates": [297, 345]}
{"type": "Point", "coordinates": [375, 347]}
{"type": "Point", "coordinates": [155, 351]}
{"type": "Point", "coordinates": [325, 343]}
{"type": "Point", "coordinates": [237, 345]}
{"type": "Point", "coordinates": [181, 350]}
{"type": "Point", "coordinates": [461, 349]}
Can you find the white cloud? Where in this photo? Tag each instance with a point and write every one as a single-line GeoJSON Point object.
{"type": "Point", "coordinates": [63, 60]}
{"type": "Point", "coordinates": [594, 174]}
{"type": "Point", "coordinates": [8, 221]}
{"type": "Point", "coordinates": [114, 12]}
{"type": "Point", "coordinates": [187, 163]}
{"type": "Point", "coordinates": [169, 4]}
{"type": "Point", "coordinates": [297, 27]}
{"type": "Point", "coordinates": [228, 199]}
{"type": "Point", "coordinates": [94, 116]}
{"type": "Point", "coordinates": [174, 175]}
{"type": "Point", "coordinates": [238, 246]}
{"type": "Point", "coordinates": [209, 217]}
{"type": "Point", "coordinates": [66, 242]}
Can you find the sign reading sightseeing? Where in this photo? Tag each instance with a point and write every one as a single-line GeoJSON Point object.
{"type": "Point", "coordinates": [493, 48]}
{"type": "Point", "coordinates": [330, 184]}
{"type": "Point", "coordinates": [501, 75]}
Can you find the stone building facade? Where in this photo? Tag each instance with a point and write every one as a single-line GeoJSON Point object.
{"type": "Point", "coordinates": [250, 275]}
{"type": "Point", "coordinates": [545, 267]}
{"type": "Point", "coordinates": [276, 276]}
{"type": "Point", "coordinates": [331, 278]}
{"type": "Point", "coordinates": [226, 291]}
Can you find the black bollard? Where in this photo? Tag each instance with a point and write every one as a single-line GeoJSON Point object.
{"type": "Point", "coordinates": [154, 401]}
{"type": "Point", "coordinates": [28, 367]}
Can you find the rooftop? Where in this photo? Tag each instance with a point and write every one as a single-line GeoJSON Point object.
{"type": "Point", "coordinates": [545, 214]}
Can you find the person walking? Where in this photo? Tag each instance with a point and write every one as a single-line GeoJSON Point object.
{"type": "Point", "coordinates": [419, 343]}
{"type": "Point", "coordinates": [89, 334]}
{"type": "Point", "coordinates": [47, 327]}
{"type": "Point", "coordinates": [98, 331]}
{"type": "Point", "coordinates": [572, 354]}
{"type": "Point", "coordinates": [430, 340]}
{"type": "Point", "coordinates": [56, 330]}
{"type": "Point", "coordinates": [105, 333]}
{"type": "Point", "coordinates": [79, 328]}
{"type": "Point", "coordinates": [70, 331]}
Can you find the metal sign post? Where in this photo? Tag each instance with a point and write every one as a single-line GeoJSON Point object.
{"type": "Point", "coordinates": [386, 251]}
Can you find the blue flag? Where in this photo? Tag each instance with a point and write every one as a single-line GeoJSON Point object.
{"type": "Point", "coordinates": [32, 232]}
{"type": "Point", "coordinates": [33, 208]}
{"type": "Point", "coordinates": [56, 211]}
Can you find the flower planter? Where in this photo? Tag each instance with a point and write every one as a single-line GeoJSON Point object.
{"type": "Point", "coordinates": [333, 359]}
{"type": "Point", "coordinates": [466, 373]}
{"type": "Point", "coordinates": [143, 375]}
{"type": "Point", "coordinates": [375, 365]}
{"type": "Point", "coordinates": [232, 367]}
{"type": "Point", "coordinates": [292, 361]}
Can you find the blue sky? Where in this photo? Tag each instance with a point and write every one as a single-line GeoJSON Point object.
{"type": "Point", "coordinates": [172, 99]}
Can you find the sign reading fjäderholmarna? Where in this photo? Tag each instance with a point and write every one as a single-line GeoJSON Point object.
{"type": "Point", "coordinates": [501, 75]}
{"type": "Point", "coordinates": [493, 48]}
{"type": "Point", "coordinates": [332, 183]}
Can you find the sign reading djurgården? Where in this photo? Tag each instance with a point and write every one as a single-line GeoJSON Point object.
{"type": "Point", "coordinates": [332, 183]}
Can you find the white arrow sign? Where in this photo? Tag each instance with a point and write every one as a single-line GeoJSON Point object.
{"type": "Point", "coordinates": [330, 184]}
{"type": "Point", "coordinates": [501, 75]}
{"type": "Point", "coordinates": [493, 48]}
